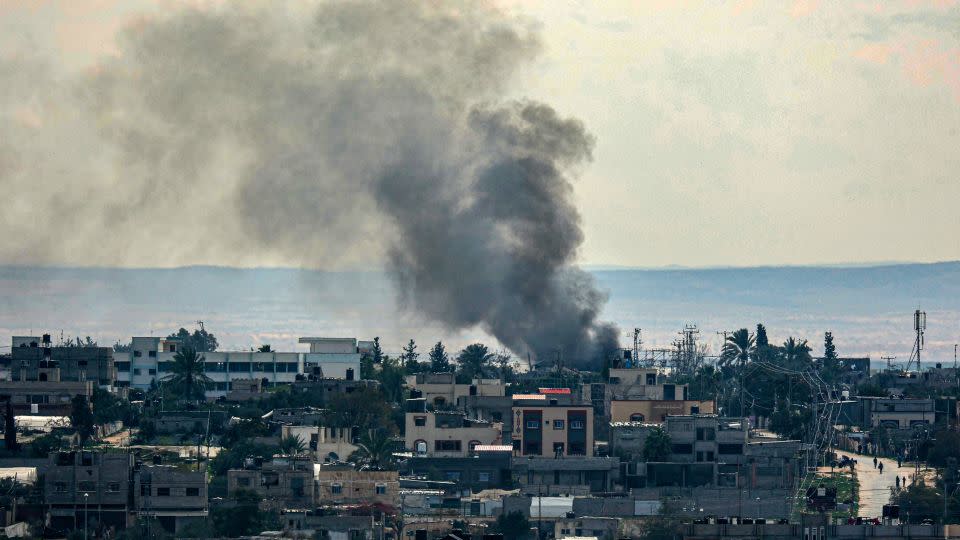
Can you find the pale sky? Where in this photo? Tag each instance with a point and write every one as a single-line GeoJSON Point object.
{"type": "Point", "coordinates": [728, 133]}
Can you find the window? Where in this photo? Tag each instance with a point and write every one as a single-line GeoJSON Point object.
{"type": "Point", "coordinates": [193, 492]}
{"type": "Point", "coordinates": [113, 487]}
{"type": "Point", "coordinates": [483, 476]}
{"type": "Point", "coordinates": [614, 380]}
{"type": "Point", "coordinates": [577, 449]}
{"type": "Point", "coordinates": [144, 490]}
{"type": "Point", "coordinates": [651, 379]}
{"type": "Point", "coordinates": [727, 449]}
{"type": "Point", "coordinates": [137, 354]}
{"type": "Point", "coordinates": [447, 446]}
{"type": "Point", "coordinates": [453, 476]}
{"type": "Point", "coordinates": [420, 447]}
{"type": "Point", "coordinates": [706, 434]}
{"type": "Point", "coordinates": [336, 489]}
{"type": "Point", "coordinates": [531, 448]}
{"type": "Point", "coordinates": [381, 489]}
{"type": "Point", "coordinates": [533, 424]}
{"type": "Point", "coordinates": [152, 372]}
{"type": "Point", "coordinates": [152, 354]}
{"type": "Point", "coordinates": [420, 421]}
{"type": "Point", "coordinates": [60, 487]}
{"type": "Point", "coordinates": [136, 371]}
{"type": "Point", "coordinates": [163, 492]}
{"type": "Point", "coordinates": [237, 367]}
{"type": "Point", "coordinates": [558, 424]}
{"type": "Point", "coordinates": [87, 486]}
{"type": "Point", "coordinates": [576, 424]}
{"type": "Point", "coordinates": [636, 417]}
{"type": "Point", "coordinates": [496, 416]}
{"type": "Point", "coordinates": [122, 366]}
{"type": "Point", "coordinates": [710, 456]}
{"type": "Point", "coordinates": [243, 482]}
{"type": "Point", "coordinates": [682, 449]}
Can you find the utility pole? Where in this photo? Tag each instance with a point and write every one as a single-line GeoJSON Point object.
{"type": "Point", "coordinates": [889, 360]}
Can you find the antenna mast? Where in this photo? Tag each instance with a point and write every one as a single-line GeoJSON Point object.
{"type": "Point", "coordinates": [919, 326]}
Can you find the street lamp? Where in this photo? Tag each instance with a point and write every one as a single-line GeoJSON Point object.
{"type": "Point", "coordinates": [86, 499]}
{"type": "Point", "coordinates": [758, 508]}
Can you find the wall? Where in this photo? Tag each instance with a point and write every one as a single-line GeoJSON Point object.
{"type": "Point", "coordinates": [429, 433]}
{"type": "Point", "coordinates": [656, 410]}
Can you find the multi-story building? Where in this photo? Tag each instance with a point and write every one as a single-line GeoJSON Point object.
{"type": "Point", "coordinates": [46, 394]}
{"type": "Point", "coordinates": [441, 389]}
{"type": "Point", "coordinates": [88, 486]}
{"type": "Point", "coordinates": [488, 468]}
{"type": "Point", "coordinates": [326, 443]}
{"type": "Point", "coordinates": [342, 484]}
{"type": "Point", "coordinates": [170, 495]}
{"type": "Point", "coordinates": [446, 433]}
{"type": "Point", "coordinates": [281, 482]}
{"type": "Point", "coordinates": [150, 360]}
{"type": "Point", "coordinates": [656, 410]}
{"type": "Point", "coordinates": [543, 427]}
{"type": "Point", "coordinates": [31, 356]}
{"type": "Point", "coordinates": [574, 476]}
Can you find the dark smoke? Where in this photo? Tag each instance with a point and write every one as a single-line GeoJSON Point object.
{"type": "Point", "coordinates": [324, 137]}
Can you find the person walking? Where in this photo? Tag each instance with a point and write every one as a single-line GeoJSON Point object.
{"type": "Point", "coordinates": [880, 467]}
{"type": "Point", "coordinates": [874, 462]}
{"type": "Point", "coordinates": [898, 482]}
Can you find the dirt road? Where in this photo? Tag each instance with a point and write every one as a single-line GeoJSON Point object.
{"type": "Point", "coordinates": [874, 485]}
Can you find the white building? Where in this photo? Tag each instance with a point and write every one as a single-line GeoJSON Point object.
{"type": "Point", "coordinates": [150, 359]}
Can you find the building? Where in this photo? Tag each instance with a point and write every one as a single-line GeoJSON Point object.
{"type": "Point", "coordinates": [893, 413]}
{"type": "Point", "coordinates": [342, 484]}
{"type": "Point", "coordinates": [602, 528]}
{"type": "Point", "coordinates": [197, 422]}
{"type": "Point", "coordinates": [327, 444]}
{"type": "Point", "coordinates": [446, 433]}
{"type": "Point", "coordinates": [332, 527]}
{"type": "Point", "coordinates": [574, 476]}
{"type": "Point", "coordinates": [543, 427]}
{"type": "Point", "coordinates": [150, 360]}
{"type": "Point", "coordinates": [32, 356]}
{"type": "Point", "coordinates": [170, 495]}
{"type": "Point", "coordinates": [490, 408]}
{"type": "Point", "coordinates": [656, 410]}
{"type": "Point", "coordinates": [322, 390]}
{"type": "Point", "coordinates": [441, 389]}
{"type": "Point", "coordinates": [47, 397]}
{"type": "Point", "coordinates": [88, 486]}
{"type": "Point", "coordinates": [488, 468]}
{"type": "Point", "coordinates": [281, 482]}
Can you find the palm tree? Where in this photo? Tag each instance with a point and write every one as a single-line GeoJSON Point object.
{"type": "Point", "coordinates": [375, 448]}
{"type": "Point", "coordinates": [473, 360]}
{"type": "Point", "coordinates": [292, 445]}
{"type": "Point", "coordinates": [739, 347]}
{"type": "Point", "coordinates": [796, 353]}
{"type": "Point", "coordinates": [187, 374]}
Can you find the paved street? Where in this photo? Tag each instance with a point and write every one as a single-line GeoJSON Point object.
{"type": "Point", "coordinates": [874, 486]}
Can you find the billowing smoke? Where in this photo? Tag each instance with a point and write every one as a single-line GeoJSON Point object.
{"type": "Point", "coordinates": [350, 133]}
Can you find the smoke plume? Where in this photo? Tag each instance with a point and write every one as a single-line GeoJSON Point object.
{"type": "Point", "coordinates": [345, 134]}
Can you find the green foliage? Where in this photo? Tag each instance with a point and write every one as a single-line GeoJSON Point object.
{"type": "Point", "coordinates": [233, 457]}
{"type": "Point", "coordinates": [391, 377]}
{"type": "Point", "coordinates": [872, 390]}
{"type": "Point", "coordinates": [242, 518]}
{"type": "Point", "coordinates": [375, 448]}
{"type": "Point", "coordinates": [10, 429]}
{"type": "Point", "coordinates": [796, 354]}
{"type": "Point", "coordinates": [200, 340]}
{"type": "Point", "coordinates": [657, 447]}
{"type": "Point", "coordinates": [109, 408]}
{"type": "Point", "coordinates": [738, 348]}
{"type": "Point", "coordinates": [244, 430]}
{"type": "Point", "coordinates": [513, 526]}
{"type": "Point", "coordinates": [292, 445]}
{"type": "Point", "coordinates": [661, 528]}
{"type": "Point", "coordinates": [829, 349]}
{"type": "Point", "coordinates": [946, 446]}
{"type": "Point", "coordinates": [761, 337]}
{"type": "Point", "coordinates": [473, 361]}
{"type": "Point", "coordinates": [265, 348]}
{"type": "Point", "coordinates": [789, 422]}
{"type": "Point", "coordinates": [187, 378]}
{"type": "Point", "coordinates": [439, 359]}
{"type": "Point", "coordinates": [363, 409]}
{"type": "Point", "coordinates": [81, 418]}
{"type": "Point", "coordinates": [367, 372]}
{"type": "Point", "coordinates": [919, 502]}
{"type": "Point", "coordinates": [44, 444]}
{"type": "Point", "coordinates": [377, 351]}
{"type": "Point", "coordinates": [409, 357]}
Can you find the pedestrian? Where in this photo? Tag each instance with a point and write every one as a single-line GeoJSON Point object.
{"type": "Point", "coordinates": [898, 482]}
{"type": "Point", "coordinates": [874, 462]}
{"type": "Point", "coordinates": [880, 467]}
{"type": "Point", "coordinates": [899, 462]}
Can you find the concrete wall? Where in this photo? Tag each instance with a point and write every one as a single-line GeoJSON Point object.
{"type": "Point", "coordinates": [552, 425]}
{"type": "Point", "coordinates": [654, 410]}
{"type": "Point", "coordinates": [429, 434]}
{"type": "Point", "coordinates": [357, 486]}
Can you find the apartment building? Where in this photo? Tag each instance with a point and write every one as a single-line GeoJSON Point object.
{"type": "Point", "coordinates": [326, 443]}
{"type": "Point", "coordinates": [32, 355]}
{"type": "Point", "coordinates": [699, 439]}
{"type": "Point", "coordinates": [342, 484]}
{"type": "Point", "coordinates": [282, 482]}
{"type": "Point", "coordinates": [88, 486]}
{"type": "Point", "coordinates": [332, 358]}
{"type": "Point", "coordinates": [46, 394]}
{"type": "Point", "coordinates": [543, 427]}
{"type": "Point", "coordinates": [174, 497]}
{"type": "Point", "coordinates": [441, 389]}
{"type": "Point", "coordinates": [640, 395]}
{"type": "Point", "coordinates": [656, 410]}
{"type": "Point", "coordinates": [446, 433]}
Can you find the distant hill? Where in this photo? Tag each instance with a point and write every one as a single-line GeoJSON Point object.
{"type": "Point", "coordinates": [869, 308]}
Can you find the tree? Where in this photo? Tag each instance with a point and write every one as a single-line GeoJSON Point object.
{"type": "Point", "coordinates": [243, 519]}
{"type": "Point", "coordinates": [292, 445]}
{"type": "Point", "coordinates": [377, 351]}
{"type": "Point", "coordinates": [513, 526]}
{"type": "Point", "coordinates": [81, 418]}
{"type": "Point", "coordinates": [657, 447]}
{"type": "Point", "coordinates": [187, 377]}
{"type": "Point", "coordinates": [363, 409]}
{"type": "Point", "coordinates": [375, 448]}
{"type": "Point", "coordinates": [200, 340]}
{"type": "Point", "coordinates": [946, 446]}
{"type": "Point", "coordinates": [122, 347]}
{"type": "Point", "coordinates": [473, 360]}
{"type": "Point", "coordinates": [10, 428]}
{"type": "Point", "coordinates": [829, 349]}
{"type": "Point", "coordinates": [391, 377]}
{"type": "Point", "coordinates": [796, 353]}
{"type": "Point", "coordinates": [439, 359]}
{"type": "Point", "coordinates": [409, 356]}
{"type": "Point", "coordinates": [265, 348]}
{"type": "Point", "coordinates": [367, 372]}
{"type": "Point", "coordinates": [762, 340]}
{"type": "Point", "coordinates": [738, 348]}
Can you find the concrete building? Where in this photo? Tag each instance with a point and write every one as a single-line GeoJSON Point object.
{"type": "Point", "coordinates": [31, 356]}
{"type": "Point", "coordinates": [574, 476]}
{"type": "Point", "coordinates": [488, 468]}
{"type": "Point", "coordinates": [332, 358]}
{"type": "Point", "coordinates": [326, 443]}
{"type": "Point", "coordinates": [447, 433]}
{"type": "Point", "coordinates": [342, 484]}
{"type": "Point", "coordinates": [296, 416]}
{"type": "Point", "coordinates": [602, 528]}
{"type": "Point", "coordinates": [190, 421]}
{"type": "Point", "coordinates": [545, 428]}
{"type": "Point", "coordinates": [893, 413]}
{"type": "Point", "coordinates": [173, 496]}
{"type": "Point", "coordinates": [322, 390]}
{"type": "Point", "coordinates": [490, 408]}
{"type": "Point", "coordinates": [319, 525]}
{"type": "Point", "coordinates": [88, 486]}
{"type": "Point", "coordinates": [47, 397]}
{"type": "Point", "coordinates": [656, 410]}
{"type": "Point", "coordinates": [282, 482]}
{"type": "Point", "coordinates": [441, 389]}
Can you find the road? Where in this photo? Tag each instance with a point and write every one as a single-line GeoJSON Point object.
{"type": "Point", "coordinates": [874, 485]}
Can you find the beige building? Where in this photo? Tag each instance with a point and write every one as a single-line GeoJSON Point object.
{"type": "Point", "coordinates": [342, 484]}
{"type": "Point", "coordinates": [545, 428]}
{"type": "Point", "coordinates": [441, 389]}
{"type": "Point", "coordinates": [284, 482]}
{"type": "Point", "coordinates": [448, 433]}
{"type": "Point", "coordinates": [325, 443]}
{"type": "Point", "coordinates": [656, 410]}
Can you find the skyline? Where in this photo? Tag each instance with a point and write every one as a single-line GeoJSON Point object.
{"type": "Point", "coordinates": [700, 158]}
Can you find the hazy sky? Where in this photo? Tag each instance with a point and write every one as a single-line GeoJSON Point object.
{"type": "Point", "coordinates": [736, 133]}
